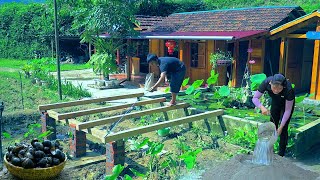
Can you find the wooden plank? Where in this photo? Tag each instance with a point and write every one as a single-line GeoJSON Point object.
{"type": "Point", "coordinates": [314, 88]}
{"type": "Point", "coordinates": [87, 101]}
{"type": "Point", "coordinates": [105, 109]}
{"type": "Point", "coordinates": [153, 127]}
{"type": "Point", "coordinates": [298, 36]}
{"type": "Point", "coordinates": [53, 114]}
{"type": "Point", "coordinates": [112, 119]}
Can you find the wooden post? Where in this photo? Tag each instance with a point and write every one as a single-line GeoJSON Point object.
{"type": "Point", "coordinates": [282, 59]}
{"type": "Point", "coordinates": [235, 65]}
{"type": "Point", "coordinates": [186, 112]}
{"type": "Point", "coordinates": [222, 125]}
{"type": "Point", "coordinates": [166, 117]}
{"type": "Point", "coordinates": [315, 85]}
{"type": "Point", "coordinates": [48, 123]}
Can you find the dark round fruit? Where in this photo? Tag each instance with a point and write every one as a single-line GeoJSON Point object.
{"type": "Point", "coordinates": [46, 143]}
{"type": "Point", "coordinates": [33, 141]}
{"type": "Point", "coordinates": [39, 154]}
{"type": "Point", "coordinates": [55, 161]}
{"type": "Point", "coordinates": [16, 161]}
{"type": "Point", "coordinates": [38, 146]}
{"type": "Point", "coordinates": [42, 163]}
{"type": "Point", "coordinates": [27, 163]}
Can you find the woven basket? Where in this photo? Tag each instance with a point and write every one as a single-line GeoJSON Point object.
{"type": "Point", "coordinates": [35, 173]}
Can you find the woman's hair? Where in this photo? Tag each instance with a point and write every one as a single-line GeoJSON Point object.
{"type": "Point", "coordinates": [151, 57]}
{"type": "Point", "coordinates": [279, 79]}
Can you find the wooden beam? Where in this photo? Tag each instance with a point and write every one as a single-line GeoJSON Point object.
{"type": "Point", "coordinates": [87, 101]}
{"type": "Point", "coordinates": [105, 109]}
{"type": "Point", "coordinates": [315, 84]}
{"type": "Point", "coordinates": [153, 127]}
{"type": "Point", "coordinates": [292, 23]}
{"type": "Point", "coordinates": [298, 36]}
{"type": "Point", "coordinates": [53, 114]}
{"type": "Point", "coordinates": [289, 30]}
{"type": "Point", "coordinates": [112, 119]}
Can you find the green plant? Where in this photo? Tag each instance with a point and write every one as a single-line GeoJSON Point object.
{"type": "Point", "coordinates": [117, 170]}
{"type": "Point", "coordinates": [220, 55]}
{"type": "Point", "coordinates": [244, 136]}
{"type": "Point", "coordinates": [103, 64]}
{"type": "Point", "coordinates": [256, 80]}
{"type": "Point", "coordinates": [33, 132]}
{"type": "Point", "coordinates": [190, 157]}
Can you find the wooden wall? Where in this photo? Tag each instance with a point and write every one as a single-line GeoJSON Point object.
{"type": "Point", "coordinates": [258, 47]}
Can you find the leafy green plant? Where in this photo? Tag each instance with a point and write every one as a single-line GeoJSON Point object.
{"type": "Point", "coordinates": [219, 55]}
{"type": "Point", "coordinates": [213, 78]}
{"type": "Point", "coordinates": [190, 157]}
{"type": "Point", "coordinates": [195, 85]}
{"type": "Point", "coordinates": [103, 64]}
{"type": "Point", "coordinates": [33, 132]}
{"type": "Point", "coordinates": [244, 136]}
{"type": "Point", "coordinates": [256, 80]}
{"type": "Point", "coordinates": [117, 170]}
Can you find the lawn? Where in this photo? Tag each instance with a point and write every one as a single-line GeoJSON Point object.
{"type": "Point", "coordinates": [47, 63]}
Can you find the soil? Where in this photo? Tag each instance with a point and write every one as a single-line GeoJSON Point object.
{"type": "Point", "coordinates": [241, 168]}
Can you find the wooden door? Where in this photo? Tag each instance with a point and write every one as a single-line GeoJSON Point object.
{"type": "Point", "coordinates": [196, 60]}
{"type": "Point", "coordinates": [294, 62]}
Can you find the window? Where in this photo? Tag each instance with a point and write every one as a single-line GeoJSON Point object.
{"type": "Point", "coordinates": [197, 54]}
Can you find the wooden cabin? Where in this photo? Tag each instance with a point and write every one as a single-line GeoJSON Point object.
{"type": "Point", "coordinates": [299, 54]}
{"type": "Point", "coordinates": [198, 34]}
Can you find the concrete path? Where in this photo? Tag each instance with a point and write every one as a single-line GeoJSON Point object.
{"type": "Point", "coordinates": [86, 77]}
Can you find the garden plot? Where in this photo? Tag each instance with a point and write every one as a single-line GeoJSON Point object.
{"type": "Point", "coordinates": [114, 143]}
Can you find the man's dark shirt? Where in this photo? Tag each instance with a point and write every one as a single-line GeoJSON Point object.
{"type": "Point", "coordinates": [170, 65]}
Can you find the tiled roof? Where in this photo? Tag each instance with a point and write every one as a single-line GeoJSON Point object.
{"type": "Point", "coordinates": [243, 19]}
{"type": "Point", "coordinates": [147, 21]}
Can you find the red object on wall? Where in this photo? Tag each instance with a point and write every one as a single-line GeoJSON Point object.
{"type": "Point", "coordinates": [170, 44]}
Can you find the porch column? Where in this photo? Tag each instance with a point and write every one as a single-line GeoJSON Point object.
{"type": "Point", "coordinates": [234, 65]}
{"type": "Point", "coordinates": [315, 85]}
{"type": "Point", "coordinates": [282, 59]}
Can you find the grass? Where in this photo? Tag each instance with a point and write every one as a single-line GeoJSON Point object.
{"type": "Point", "coordinates": [33, 95]}
{"type": "Point", "coordinates": [12, 63]}
{"type": "Point", "coordinates": [51, 66]}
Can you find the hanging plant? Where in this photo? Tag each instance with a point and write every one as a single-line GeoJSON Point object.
{"type": "Point", "coordinates": [220, 58]}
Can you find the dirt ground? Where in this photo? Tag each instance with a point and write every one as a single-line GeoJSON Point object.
{"type": "Point", "coordinates": [241, 168]}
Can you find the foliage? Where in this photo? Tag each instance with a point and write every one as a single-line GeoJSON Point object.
{"type": "Point", "coordinates": [34, 132]}
{"type": "Point", "coordinates": [224, 91]}
{"type": "Point", "coordinates": [244, 136]}
{"type": "Point", "coordinates": [117, 170]}
{"type": "Point", "coordinates": [103, 64]}
{"type": "Point", "coordinates": [219, 55]}
{"type": "Point", "coordinates": [256, 80]}
{"type": "Point", "coordinates": [213, 78]}
{"type": "Point", "coordinates": [189, 158]}
{"type": "Point", "coordinates": [22, 30]}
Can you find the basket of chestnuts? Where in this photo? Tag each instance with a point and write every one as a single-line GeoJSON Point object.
{"type": "Point", "coordinates": [38, 160]}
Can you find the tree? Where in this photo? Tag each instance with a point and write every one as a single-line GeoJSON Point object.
{"type": "Point", "coordinates": [111, 17]}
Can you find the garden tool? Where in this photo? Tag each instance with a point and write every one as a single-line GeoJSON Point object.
{"type": "Point", "coordinates": [113, 125]}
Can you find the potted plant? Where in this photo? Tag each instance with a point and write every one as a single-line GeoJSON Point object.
{"type": "Point", "coordinates": [220, 58]}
